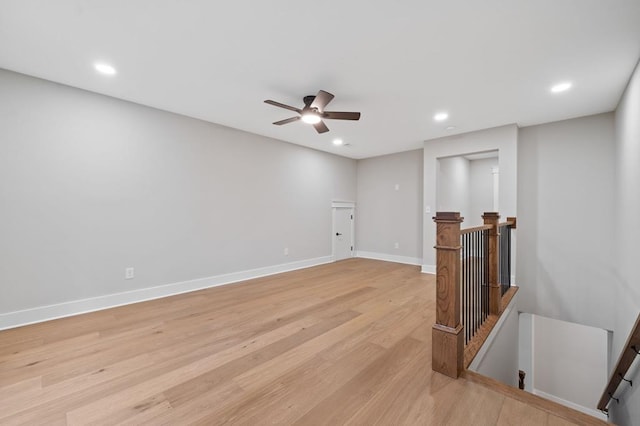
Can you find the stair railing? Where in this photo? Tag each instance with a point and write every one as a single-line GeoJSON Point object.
{"type": "Point", "coordinates": [630, 351]}
{"type": "Point", "coordinates": [472, 289]}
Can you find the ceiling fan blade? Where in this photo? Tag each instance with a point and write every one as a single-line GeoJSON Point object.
{"type": "Point", "coordinates": [337, 115]}
{"type": "Point", "coordinates": [286, 121]}
{"type": "Point", "coordinates": [278, 104]}
{"type": "Point", "coordinates": [322, 100]}
{"type": "Point", "coordinates": [321, 127]}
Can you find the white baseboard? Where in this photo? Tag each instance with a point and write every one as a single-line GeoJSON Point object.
{"type": "Point", "coordinates": [577, 407]}
{"type": "Point", "coordinates": [429, 269]}
{"type": "Point", "coordinates": [426, 269]}
{"type": "Point", "coordinates": [389, 257]}
{"type": "Point", "coordinates": [76, 307]}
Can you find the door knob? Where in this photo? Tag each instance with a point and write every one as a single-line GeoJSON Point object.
{"type": "Point", "coordinates": [338, 234]}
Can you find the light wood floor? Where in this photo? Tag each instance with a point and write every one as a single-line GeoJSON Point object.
{"type": "Point", "coordinates": [346, 343]}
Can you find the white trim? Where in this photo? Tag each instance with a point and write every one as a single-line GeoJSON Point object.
{"type": "Point", "coordinates": [76, 307]}
{"type": "Point", "coordinates": [389, 257]}
{"type": "Point", "coordinates": [429, 269]}
{"type": "Point", "coordinates": [590, 411]}
{"type": "Point", "coordinates": [343, 204]}
{"type": "Point", "coordinates": [475, 364]}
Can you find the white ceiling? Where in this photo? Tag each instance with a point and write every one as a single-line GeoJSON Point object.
{"type": "Point", "coordinates": [487, 63]}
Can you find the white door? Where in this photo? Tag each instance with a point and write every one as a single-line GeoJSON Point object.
{"type": "Point", "coordinates": [342, 233]}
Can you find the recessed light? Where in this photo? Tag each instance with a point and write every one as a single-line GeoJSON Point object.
{"type": "Point", "coordinates": [311, 118]}
{"type": "Point", "coordinates": [561, 87]}
{"type": "Point", "coordinates": [338, 142]}
{"type": "Point", "coordinates": [105, 69]}
{"type": "Point", "coordinates": [441, 116]}
{"type": "Point", "coordinates": [450, 128]}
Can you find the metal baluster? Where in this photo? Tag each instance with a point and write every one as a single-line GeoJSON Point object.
{"type": "Point", "coordinates": [486, 274]}
{"type": "Point", "coordinates": [470, 268]}
{"type": "Point", "coordinates": [464, 286]}
{"type": "Point", "coordinates": [483, 281]}
{"type": "Point", "coordinates": [475, 280]}
{"type": "Point", "coordinates": [469, 288]}
{"type": "Point", "coordinates": [479, 287]}
{"type": "Point", "coordinates": [473, 289]}
{"type": "Point", "coordinates": [509, 254]}
{"type": "Point", "coordinates": [501, 258]}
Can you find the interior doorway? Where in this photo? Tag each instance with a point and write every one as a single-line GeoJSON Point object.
{"type": "Point", "coordinates": [468, 184]}
{"type": "Point", "coordinates": [342, 235]}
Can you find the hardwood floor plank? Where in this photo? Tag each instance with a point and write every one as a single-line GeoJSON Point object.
{"type": "Point", "coordinates": [10, 347]}
{"type": "Point", "coordinates": [392, 403]}
{"type": "Point", "coordinates": [292, 395]}
{"type": "Point", "coordinates": [515, 413]}
{"type": "Point", "coordinates": [248, 359]}
{"type": "Point", "coordinates": [182, 375]}
{"type": "Point", "coordinates": [437, 402]}
{"type": "Point", "coordinates": [346, 401]}
{"type": "Point", "coordinates": [140, 411]}
{"type": "Point", "coordinates": [559, 421]}
{"type": "Point", "coordinates": [482, 407]}
{"type": "Point", "coordinates": [16, 368]}
{"type": "Point", "coordinates": [43, 395]}
{"type": "Point", "coordinates": [203, 409]}
{"type": "Point", "coordinates": [25, 389]}
{"type": "Point", "coordinates": [348, 342]}
{"type": "Point", "coordinates": [264, 373]}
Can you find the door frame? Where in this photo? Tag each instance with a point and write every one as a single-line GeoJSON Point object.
{"type": "Point", "coordinates": [342, 205]}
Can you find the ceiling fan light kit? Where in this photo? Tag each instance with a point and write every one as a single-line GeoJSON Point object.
{"type": "Point", "coordinates": [313, 111]}
{"type": "Point", "coordinates": [311, 118]}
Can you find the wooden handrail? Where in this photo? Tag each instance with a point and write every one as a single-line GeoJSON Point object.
{"type": "Point", "coordinates": [475, 229]}
{"type": "Point", "coordinates": [627, 356]}
{"type": "Point", "coordinates": [511, 221]}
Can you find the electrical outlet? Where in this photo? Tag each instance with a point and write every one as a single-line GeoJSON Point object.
{"type": "Point", "coordinates": [397, 245]}
{"type": "Point", "coordinates": [397, 187]}
{"type": "Point", "coordinates": [286, 251]}
{"type": "Point", "coordinates": [427, 209]}
{"type": "Point", "coordinates": [129, 273]}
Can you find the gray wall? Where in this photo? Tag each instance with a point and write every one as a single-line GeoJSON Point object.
{"type": "Point", "coordinates": [453, 186]}
{"type": "Point", "coordinates": [498, 357]}
{"type": "Point", "coordinates": [565, 239]}
{"type": "Point", "coordinates": [625, 284]}
{"type": "Point", "coordinates": [569, 363]}
{"type": "Point", "coordinates": [466, 186]}
{"type": "Point", "coordinates": [480, 190]}
{"type": "Point", "coordinates": [386, 216]}
{"type": "Point", "coordinates": [90, 185]}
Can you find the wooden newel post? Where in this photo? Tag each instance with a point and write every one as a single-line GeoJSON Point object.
{"type": "Point", "coordinates": [495, 296]}
{"type": "Point", "coordinates": [448, 338]}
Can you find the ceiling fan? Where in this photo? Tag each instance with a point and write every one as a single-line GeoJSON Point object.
{"type": "Point", "coordinates": [313, 111]}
